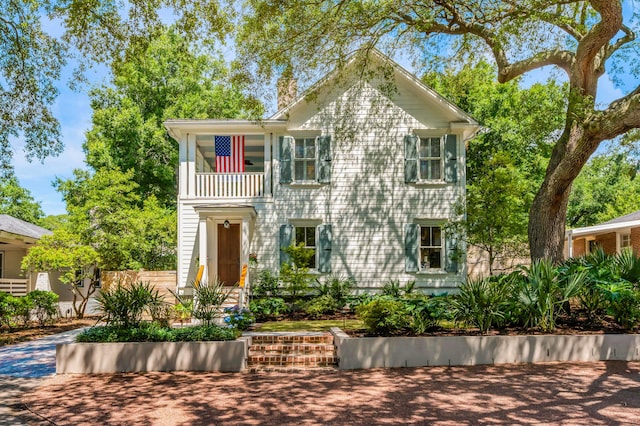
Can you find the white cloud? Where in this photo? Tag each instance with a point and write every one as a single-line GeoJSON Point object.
{"type": "Point", "coordinates": [607, 91]}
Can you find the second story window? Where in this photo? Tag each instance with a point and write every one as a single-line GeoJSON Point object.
{"type": "Point", "coordinates": [305, 159]}
{"type": "Point", "coordinates": [430, 157]}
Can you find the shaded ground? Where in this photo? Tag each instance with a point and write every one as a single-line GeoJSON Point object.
{"type": "Point", "coordinates": [559, 393]}
{"type": "Point", "coordinates": [24, 334]}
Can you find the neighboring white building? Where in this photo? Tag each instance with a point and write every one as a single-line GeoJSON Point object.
{"type": "Point", "coordinates": [365, 172]}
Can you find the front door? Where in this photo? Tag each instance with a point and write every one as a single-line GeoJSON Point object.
{"type": "Point", "coordinates": [229, 254]}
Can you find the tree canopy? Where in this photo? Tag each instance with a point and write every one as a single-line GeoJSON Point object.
{"type": "Point", "coordinates": [168, 79]}
{"type": "Point", "coordinates": [18, 202]}
{"type": "Point", "coordinates": [582, 39]}
{"type": "Point", "coordinates": [505, 163]}
{"type": "Point", "coordinates": [100, 31]}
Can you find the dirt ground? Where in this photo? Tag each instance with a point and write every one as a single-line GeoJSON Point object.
{"type": "Point", "coordinates": [23, 334]}
{"type": "Point", "coordinates": [554, 393]}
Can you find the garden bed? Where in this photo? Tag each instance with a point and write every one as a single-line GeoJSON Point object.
{"type": "Point", "coordinates": [374, 352]}
{"type": "Point", "coordinates": [93, 358]}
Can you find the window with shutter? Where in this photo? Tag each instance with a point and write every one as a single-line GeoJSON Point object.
{"type": "Point", "coordinates": [430, 159]}
{"type": "Point", "coordinates": [305, 159]}
{"type": "Point", "coordinates": [429, 249]}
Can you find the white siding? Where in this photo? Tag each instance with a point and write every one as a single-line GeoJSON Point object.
{"type": "Point", "coordinates": [367, 201]}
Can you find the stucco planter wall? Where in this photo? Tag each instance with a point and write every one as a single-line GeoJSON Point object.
{"type": "Point", "coordinates": [371, 352]}
{"type": "Point", "coordinates": [90, 358]}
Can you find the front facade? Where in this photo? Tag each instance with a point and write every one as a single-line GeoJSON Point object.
{"type": "Point", "coordinates": [612, 236]}
{"type": "Point", "coordinates": [364, 176]}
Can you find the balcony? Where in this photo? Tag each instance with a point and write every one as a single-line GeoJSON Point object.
{"type": "Point", "coordinates": [229, 185]}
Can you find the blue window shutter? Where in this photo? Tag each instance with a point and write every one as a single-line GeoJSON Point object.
{"type": "Point", "coordinates": [411, 235]}
{"type": "Point", "coordinates": [325, 237]}
{"type": "Point", "coordinates": [286, 239]}
{"type": "Point", "coordinates": [410, 159]}
{"type": "Point", "coordinates": [451, 242]}
{"type": "Point", "coordinates": [323, 169]}
{"type": "Point", "coordinates": [450, 159]}
{"type": "Point", "coordinates": [285, 159]}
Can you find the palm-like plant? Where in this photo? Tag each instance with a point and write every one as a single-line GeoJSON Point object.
{"type": "Point", "coordinates": [482, 302]}
{"type": "Point", "coordinates": [542, 292]}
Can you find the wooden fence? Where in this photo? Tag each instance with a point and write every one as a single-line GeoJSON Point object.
{"type": "Point", "coordinates": [163, 281]}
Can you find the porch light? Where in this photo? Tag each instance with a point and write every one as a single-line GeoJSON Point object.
{"type": "Point", "coordinates": [226, 224]}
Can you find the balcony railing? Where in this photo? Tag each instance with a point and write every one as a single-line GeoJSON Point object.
{"type": "Point", "coordinates": [229, 185]}
{"type": "Point", "coordinates": [14, 286]}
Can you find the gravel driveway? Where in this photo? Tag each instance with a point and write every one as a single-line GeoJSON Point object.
{"type": "Point", "coordinates": [558, 393]}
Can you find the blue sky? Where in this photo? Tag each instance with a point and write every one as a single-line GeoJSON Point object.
{"type": "Point", "coordinates": [74, 113]}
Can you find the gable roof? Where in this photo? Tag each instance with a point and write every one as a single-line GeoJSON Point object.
{"type": "Point", "coordinates": [422, 89]}
{"type": "Point", "coordinates": [619, 223]}
{"type": "Point", "coordinates": [626, 218]}
{"type": "Point", "coordinates": [18, 227]}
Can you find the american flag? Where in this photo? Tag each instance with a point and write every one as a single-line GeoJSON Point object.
{"type": "Point", "coordinates": [229, 153]}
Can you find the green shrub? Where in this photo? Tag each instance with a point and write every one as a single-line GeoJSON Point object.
{"type": "Point", "coordinates": [426, 312]}
{"type": "Point", "coordinates": [338, 287]}
{"type": "Point", "coordinates": [6, 309]}
{"type": "Point", "coordinates": [21, 308]}
{"type": "Point", "coordinates": [45, 305]}
{"type": "Point", "coordinates": [239, 318]}
{"type": "Point", "coordinates": [353, 301]}
{"type": "Point", "coordinates": [623, 303]}
{"type": "Point", "coordinates": [153, 333]}
{"type": "Point", "coordinates": [481, 302]}
{"type": "Point", "coordinates": [268, 308]}
{"type": "Point", "coordinates": [124, 305]}
{"type": "Point", "coordinates": [321, 305]}
{"type": "Point", "coordinates": [267, 284]}
{"type": "Point", "coordinates": [384, 315]}
{"type": "Point", "coordinates": [541, 294]}
{"type": "Point", "coordinates": [209, 298]}
{"type": "Point", "coordinates": [394, 289]}
{"type": "Point", "coordinates": [295, 275]}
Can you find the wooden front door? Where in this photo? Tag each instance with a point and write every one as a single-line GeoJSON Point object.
{"type": "Point", "coordinates": [229, 254]}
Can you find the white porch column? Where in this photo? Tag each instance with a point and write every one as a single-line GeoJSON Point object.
{"type": "Point", "coordinates": [191, 166]}
{"type": "Point", "coordinates": [569, 244]}
{"type": "Point", "coordinates": [204, 254]}
{"type": "Point", "coordinates": [267, 163]}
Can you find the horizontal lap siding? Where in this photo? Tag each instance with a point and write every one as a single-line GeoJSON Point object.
{"type": "Point", "coordinates": [367, 202]}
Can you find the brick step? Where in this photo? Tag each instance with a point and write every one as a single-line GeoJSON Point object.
{"type": "Point", "coordinates": [289, 369]}
{"type": "Point", "coordinates": [267, 339]}
{"type": "Point", "coordinates": [261, 360]}
{"type": "Point", "coordinates": [292, 348]}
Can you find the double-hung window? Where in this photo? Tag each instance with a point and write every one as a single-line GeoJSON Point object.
{"type": "Point", "coordinates": [430, 158]}
{"type": "Point", "coordinates": [307, 236]}
{"type": "Point", "coordinates": [625, 241]}
{"type": "Point", "coordinates": [314, 235]}
{"type": "Point", "coordinates": [305, 159]}
{"type": "Point", "coordinates": [431, 247]}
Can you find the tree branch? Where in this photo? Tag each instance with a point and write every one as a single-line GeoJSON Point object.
{"type": "Point", "coordinates": [620, 117]}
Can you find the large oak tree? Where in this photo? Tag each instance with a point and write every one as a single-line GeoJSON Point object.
{"type": "Point", "coordinates": [39, 37]}
{"type": "Point", "coordinates": [583, 39]}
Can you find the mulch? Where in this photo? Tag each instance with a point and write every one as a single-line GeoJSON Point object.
{"type": "Point", "coordinates": [552, 393]}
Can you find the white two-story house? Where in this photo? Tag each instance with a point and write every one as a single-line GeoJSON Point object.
{"type": "Point", "coordinates": [363, 170]}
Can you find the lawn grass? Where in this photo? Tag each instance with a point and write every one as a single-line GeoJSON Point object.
{"type": "Point", "coordinates": [310, 325]}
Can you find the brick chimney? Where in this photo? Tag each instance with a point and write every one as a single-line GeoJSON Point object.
{"type": "Point", "coordinates": [287, 91]}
